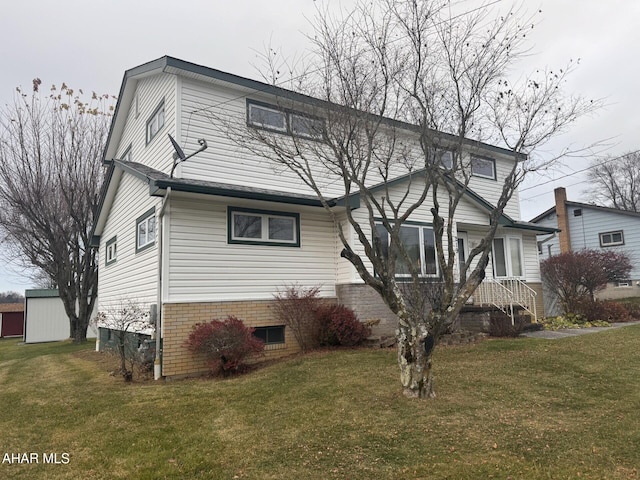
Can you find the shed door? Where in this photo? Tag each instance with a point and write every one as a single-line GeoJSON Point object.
{"type": "Point", "coordinates": [12, 324]}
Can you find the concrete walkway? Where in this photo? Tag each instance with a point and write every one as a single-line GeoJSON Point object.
{"type": "Point", "coordinates": [573, 332]}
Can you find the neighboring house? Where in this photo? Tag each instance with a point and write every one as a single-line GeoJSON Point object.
{"type": "Point", "coordinates": [11, 319]}
{"type": "Point", "coordinates": [585, 226]}
{"type": "Point", "coordinates": [227, 229]}
{"type": "Point", "coordinates": [45, 319]}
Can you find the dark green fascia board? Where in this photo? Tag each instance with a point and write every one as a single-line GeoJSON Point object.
{"type": "Point", "coordinates": [532, 227]}
{"type": "Point", "coordinates": [41, 293]}
{"type": "Point", "coordinates": [158, 187]}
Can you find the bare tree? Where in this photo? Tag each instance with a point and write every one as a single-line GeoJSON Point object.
{"type": "Point", "coordinates": [50, 175]}
{"type": "Point", "coordinates": [615, 182]}
{"type": "Point", "coordinates": [406, 90]}
{"type": "Point", "coordinates": [126, 318]}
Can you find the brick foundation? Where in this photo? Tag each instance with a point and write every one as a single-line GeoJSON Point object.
{"type": "Point", "coordinates": [369, 306]}
{"type": "Point", "coordinates": [179, 319]}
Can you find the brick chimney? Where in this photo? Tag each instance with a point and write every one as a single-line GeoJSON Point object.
{"type": "Point", "coordinates": [563, 219]}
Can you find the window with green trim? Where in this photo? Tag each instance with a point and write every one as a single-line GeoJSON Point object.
{"type": "Point", "coordinates": [483, 167]}
{"type": "Point", "coordinates": [146, 230]}
{"type": "Point", "coordinates": [251, 226]}
{"type": "Point", "coordinates": [281, 120]}
{"type": "Point", "coordinates": [155, 123]}
{"type": "Point", "coordinates": [111, 252]}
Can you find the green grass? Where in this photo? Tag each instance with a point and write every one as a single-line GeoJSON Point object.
{"type": "Point", "coordinates": [521, 409]}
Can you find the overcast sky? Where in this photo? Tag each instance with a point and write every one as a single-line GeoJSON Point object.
{"type": "Point", "coordinates": [90, 43]}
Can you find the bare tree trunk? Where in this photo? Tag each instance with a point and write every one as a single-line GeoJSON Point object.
{"type": "Point", "coordinates": [415, 347]}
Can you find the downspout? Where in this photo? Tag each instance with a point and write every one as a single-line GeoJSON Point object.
{"type": "Point", "coordinates": [157, 365]}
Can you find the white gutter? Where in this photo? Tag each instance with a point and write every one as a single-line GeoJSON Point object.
{"type": "Point", "coordinates": [157, 364]}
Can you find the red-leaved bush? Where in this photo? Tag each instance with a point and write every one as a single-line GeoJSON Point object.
{"type": "Point", "coordinates": [339, 326]}
{"type": "Point", "coordinates": [226, 344]}
{"type": "Point", "coordinates": [604, 310]}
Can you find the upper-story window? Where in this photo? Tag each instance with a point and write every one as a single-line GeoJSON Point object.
{"type": "Point", "coordinates": [271, 117]}
{"type": "Point", "coordinates": [156, 122]}
{"type": "Point", "coordinates": [263, 227]}
{"type": "Point", "coordinates": [483, 167]}
{"type": "Point", "coordinates": [146, 230]}
{"type": "Point", "coordinates": [111, 251]}
{"type": "Point", "coordinates": [611, 239]}
{"type": "Point", "coordinates": [419, 243]}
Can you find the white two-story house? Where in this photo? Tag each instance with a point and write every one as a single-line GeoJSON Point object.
{"type": "Point", "coordinates": [222, 232]}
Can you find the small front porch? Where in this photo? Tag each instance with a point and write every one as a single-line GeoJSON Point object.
{"type": "Point", "coordinates": [511, 299]}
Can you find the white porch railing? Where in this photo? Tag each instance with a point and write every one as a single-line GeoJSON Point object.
{"type": "Point", "coordinates": [506, 293]}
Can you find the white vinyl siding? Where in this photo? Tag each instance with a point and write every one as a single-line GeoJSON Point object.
{"type": "Point", "coordinates": [134, 275]}
{"type": "Point", "coordinates": [203, 266]}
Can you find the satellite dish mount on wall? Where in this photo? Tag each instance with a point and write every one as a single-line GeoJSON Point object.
{"type": "Point", "coordinates": [179, 156]}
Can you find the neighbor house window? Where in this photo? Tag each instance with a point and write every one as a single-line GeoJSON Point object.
{"type": "Point", "coordinates": [483, 167]}
{"type": "Point", "coordinates": [419, 242]}
{"type": "Point", "coordinates": [155, 123]}
{"type": "Point", "coordinates": [273, 335]}
{"type": "Point", "coordinates": [111, 252]}
{"type": "Point", "coordinates": [623, 283]}
{"type": "Point", "coordinates": [271, 117]}
{"type": "Point", "coordinates": [263, 227]}
{"type": "Point", "coordinates": [507, 257]}
{"type": "Point", "coordinates": [611, 239]}
{"type": "Point", "coordinates": [146, 230]}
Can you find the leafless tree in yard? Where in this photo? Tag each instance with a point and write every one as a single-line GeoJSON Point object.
{"type": "Point", "coordinates": [615, 182]}
{"type": "Point", "coordinates": [50, 175]}
{"type": "Point", "coordinates": [407, 89]}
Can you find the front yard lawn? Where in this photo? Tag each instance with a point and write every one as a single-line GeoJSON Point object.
{"type": "Point", "coordinates": [518, 408]}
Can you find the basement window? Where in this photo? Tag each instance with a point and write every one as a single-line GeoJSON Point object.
{"type": "Point", "coordinates": [273, 335]}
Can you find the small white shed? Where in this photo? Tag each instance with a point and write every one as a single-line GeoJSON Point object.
{"type": "Point", "coordinates": [45, 319]}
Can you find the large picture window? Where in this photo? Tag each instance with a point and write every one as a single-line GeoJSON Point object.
{"type": "Point", "coordinates": [507, 257]}
{"type": "Point", "coordinates": [263, 227]}
{"type": "Point", "coordinates": [419, 242]}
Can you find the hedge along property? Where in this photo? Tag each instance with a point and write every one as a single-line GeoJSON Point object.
{"type": "Point", "coordinates": [219, 234]}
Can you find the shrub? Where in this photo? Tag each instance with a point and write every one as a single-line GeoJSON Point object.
{"type": "Point", "coordinates": [339, 326]}
{"type": "Point", "coordinates": [295, 307]}
{"type": "Point", "coordinates": [226, 344]}
{"type": "Point", "coordinates": [501, 326]}
{"type": "Point", "coordinates": [577, 276]}
{"type": "Point", "coordinates": [604, 310]}
{"type": "Point", "coordinates": [571, 320]}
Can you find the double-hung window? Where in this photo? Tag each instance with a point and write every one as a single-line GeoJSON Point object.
{"type": "Point", "coordinates": [111, 251]}
{"type": "Point", "coordinates": [419, 243]}
{"type": "Point", "coordinates": [146, 230]}
{"type": "Point", "coordinates": [252, 226]}
{"type": "Point", "coordinates": [507, 257]}
{"type": "Point", "coordinates": [155, 122]}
